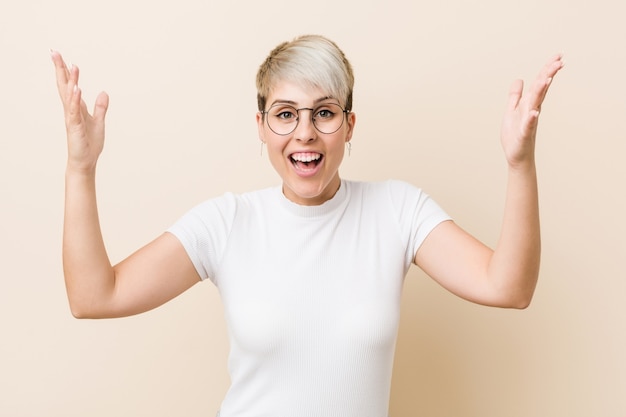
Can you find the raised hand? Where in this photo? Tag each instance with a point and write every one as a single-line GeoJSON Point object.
{"type": "Point", "coordinates": [85, 132]}
{"type": "Point", "coordinates": [519, 127]}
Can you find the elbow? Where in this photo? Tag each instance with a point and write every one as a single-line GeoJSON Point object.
{"type": "Point", "coordinates": [521, 304]}
{"type": "Point", "coordinates": [87, 304]}
{"type": "Point", "coordinates": [507, 303]}
{"type": "Point", "coordinates": [94, 309]}
{"type": "Point", "coordinates": [79, 312]}
{"type": "Point", "coordinates": [518, 301]}
{"type": "Point", "coordinates": [525, 295]}
{"type": "Point", "coordinates": [518, 294]}
{"type": "Point", "coordinates": [78, 308]}
{"type": "Point", "coordinates": [509, 296]}
{"type": "Point", "coordinates": [78, 315]}
{"type": "Point", "coordinates": [84, 314]}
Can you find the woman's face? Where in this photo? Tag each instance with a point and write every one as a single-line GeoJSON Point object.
{"type": "Point", "coordinates": [306, 159]}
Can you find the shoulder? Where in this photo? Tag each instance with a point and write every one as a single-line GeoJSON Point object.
{"type": "Point", "coordinates": [222, 211]}
{"type": "Point", "coordinates": [391, 189]}
{"type": "Point", "coordinates": [231, 202]}
{"type": "Point", "coordinates": [400, 197]}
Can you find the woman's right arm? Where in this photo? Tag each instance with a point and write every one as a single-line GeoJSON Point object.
{"type": "Point", "coordinates": [148, 278]}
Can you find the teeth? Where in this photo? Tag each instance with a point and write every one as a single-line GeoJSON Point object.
{"type": "Point", "coordinates": [306, 157]}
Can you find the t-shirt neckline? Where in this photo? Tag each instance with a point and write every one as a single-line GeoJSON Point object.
{"type": "Point", "coordinates": [314, 211]}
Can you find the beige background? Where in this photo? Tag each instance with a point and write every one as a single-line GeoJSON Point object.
{"type": "Point", "coordinates": [432, 79]}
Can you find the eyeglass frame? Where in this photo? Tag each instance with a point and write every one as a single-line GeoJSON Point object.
{"type": "Point", "coordinates": [343, 111]}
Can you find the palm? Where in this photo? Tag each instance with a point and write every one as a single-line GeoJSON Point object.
{"type": "Point", "coordinates": [519, 126]}
{"type": "Point", "coordinates": [85, 132]}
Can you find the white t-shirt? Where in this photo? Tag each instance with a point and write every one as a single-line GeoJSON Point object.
{"type": "Point", "coordinates": [311, 293]}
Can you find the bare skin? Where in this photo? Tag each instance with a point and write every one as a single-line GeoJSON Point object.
{"type": "Point", "coordinates": [506, 276]}
{"type": "Point", "coordinates": [299, 187]}
{"type": "Point", "coordinates": [149, 277]}
{"type": "Point", "coordinates": [161, 270]}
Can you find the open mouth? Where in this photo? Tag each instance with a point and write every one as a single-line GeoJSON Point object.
{"type": "Point", "coordinates": [306, 160]}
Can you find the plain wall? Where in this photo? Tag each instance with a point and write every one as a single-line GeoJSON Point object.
{"type": "Point", "coordinates": [431, 84]}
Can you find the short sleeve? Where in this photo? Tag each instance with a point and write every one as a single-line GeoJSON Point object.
{"type": "Point", "coordinates": [203, 231]}
{"type": "Point", "coordinates": [418, 214]}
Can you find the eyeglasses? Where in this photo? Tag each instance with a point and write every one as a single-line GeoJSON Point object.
{"type": "Point", "coordinates": [283, 119]}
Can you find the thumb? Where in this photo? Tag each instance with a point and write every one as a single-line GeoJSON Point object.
{"type": "Point", "coordinates": [532, 120]}
{"type": "Point", "coordinates": [101, 106]}
{"type": "Point", "coordinates": [515, 94]}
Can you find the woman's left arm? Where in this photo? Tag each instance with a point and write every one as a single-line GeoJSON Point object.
{"type": "Point", "coordinates": [506, 276]}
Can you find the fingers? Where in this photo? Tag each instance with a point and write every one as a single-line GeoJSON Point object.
{"type": "Point", "coordinates": [72, 82]}
{"type": "Point", "coordinates": [59, 66]}
{"type": "Point", "coordinates": [74, 112]}
{"type": "Point", "coordinates": [66, 79]}
{"type": "Point", "coordinates": [532, 101]}
{"type": "Point", "coordinates": [75, 107]}
{"type": "Point", "coordinates": [519, 127]}
{"type": "Point", "coordinates": [543, 81]}
{"type": "Point", "coordinates": [71, 95]}
{"type": "Point", "coordinates": [61, 72]}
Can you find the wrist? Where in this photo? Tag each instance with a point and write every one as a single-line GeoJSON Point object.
{"type": "Point", "coordinates": [522, 166]}
{"type": "Point", "coordinates": [522, 176]}
{"type": "Point", "coordinates": [80, 172]}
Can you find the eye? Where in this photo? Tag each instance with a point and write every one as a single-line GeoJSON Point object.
{"type": "Point", "coordinates": [324, 113]}
{"type": "Point", "coordinates": [286, 115]}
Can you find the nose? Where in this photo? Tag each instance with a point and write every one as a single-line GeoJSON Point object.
{"type": "Point", "coordinates": [305, 130]}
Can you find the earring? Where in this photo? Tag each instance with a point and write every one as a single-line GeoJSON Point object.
{"type": "Point", "coordinates": [349, 146]}
{"type": "Point", "coordinates": [262, 143]}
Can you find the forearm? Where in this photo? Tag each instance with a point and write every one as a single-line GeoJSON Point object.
{"type": "Point", "coordinates": [89, 276]}
{"type": "Point", "coordinates": [513, 268]}
{"type": "Point", "coordinates": [514, 265]}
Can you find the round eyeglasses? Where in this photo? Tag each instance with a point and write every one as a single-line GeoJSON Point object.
{"type": "Point", "coordinates": [283, 119]}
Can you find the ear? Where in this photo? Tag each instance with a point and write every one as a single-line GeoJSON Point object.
{"type": "Point", "coordinates": [260, 126]}
{"type": "Point", "coordinates": [351, 123]}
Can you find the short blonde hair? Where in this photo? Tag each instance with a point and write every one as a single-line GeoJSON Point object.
{"type": "Point", "coordinates": [312, 60]}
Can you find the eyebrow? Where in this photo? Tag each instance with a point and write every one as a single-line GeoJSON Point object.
{"type": "Point", "coordinates": [293, 103]}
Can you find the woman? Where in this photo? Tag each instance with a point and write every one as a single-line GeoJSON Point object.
{"type": "Point", "coordinates": [311, 272]}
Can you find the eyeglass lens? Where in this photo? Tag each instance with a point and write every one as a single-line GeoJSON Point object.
{"type": "Point", "coordinates": [283, 118]}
